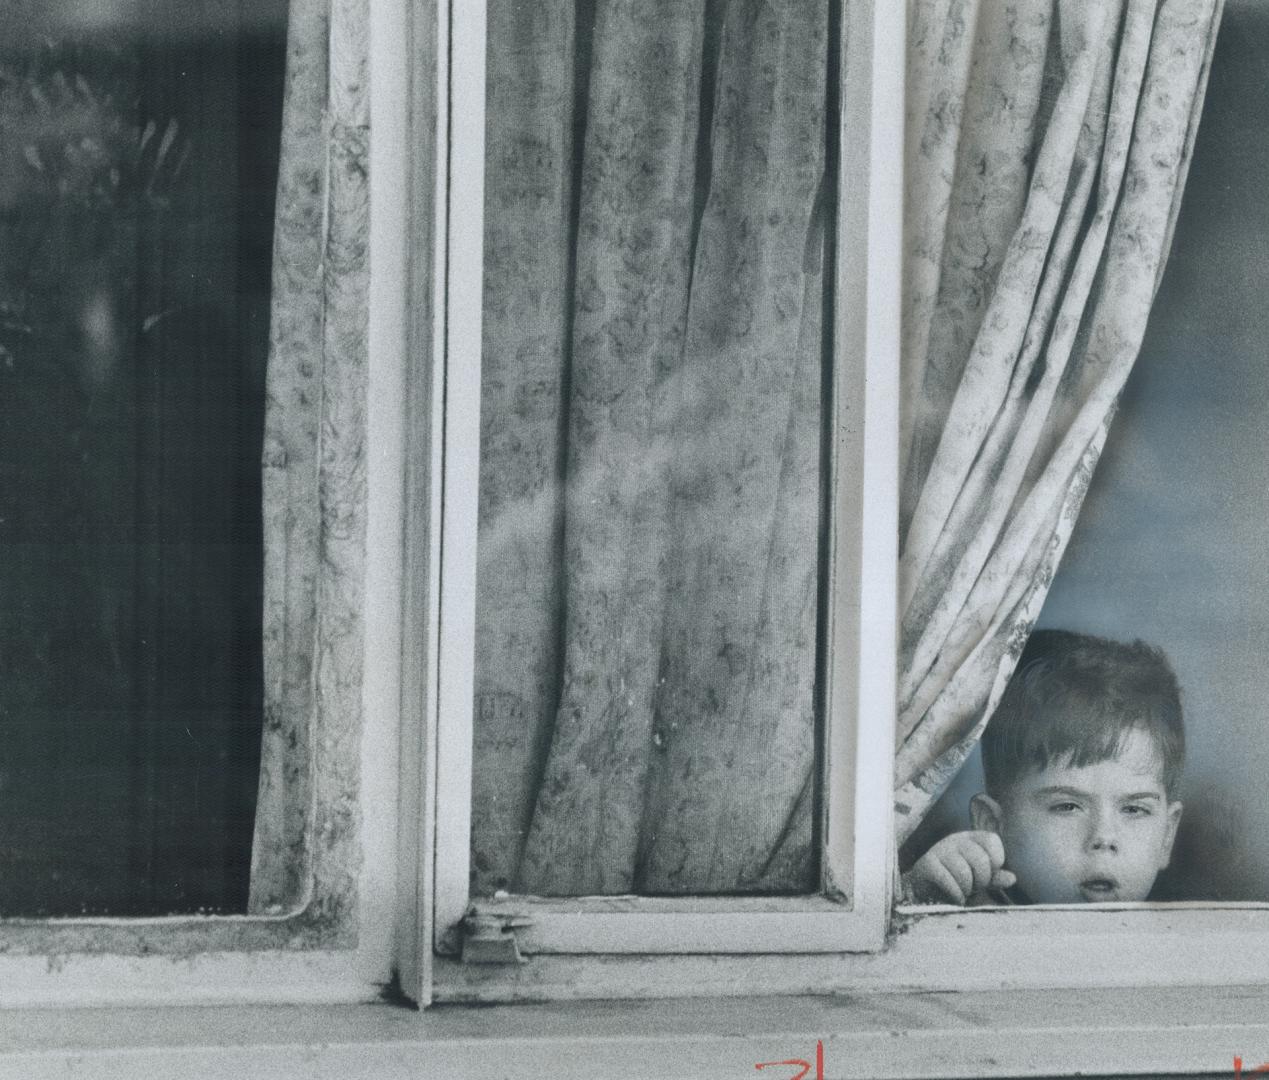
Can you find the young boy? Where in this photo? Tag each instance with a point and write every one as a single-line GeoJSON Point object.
{"type": "Point", "coordinates": [1083, 760]}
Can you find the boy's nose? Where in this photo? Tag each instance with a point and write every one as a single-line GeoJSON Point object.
{"type": "Point", "coordinates": [1103, 836]}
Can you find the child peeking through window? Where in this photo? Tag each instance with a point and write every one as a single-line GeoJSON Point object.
{"type": "Point", "coordinates": [1083, 761]}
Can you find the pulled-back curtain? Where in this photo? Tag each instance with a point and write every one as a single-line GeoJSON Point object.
{"type": "Point", "coordinates": [650, 481]}
{"type": "Point", "coordinates": [1048, 142]}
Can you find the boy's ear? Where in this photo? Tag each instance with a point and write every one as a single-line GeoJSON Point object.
{"type": "Point", "coordinates": [1174, 819]}
{"type": "Point", "coordinates": [985, 813]}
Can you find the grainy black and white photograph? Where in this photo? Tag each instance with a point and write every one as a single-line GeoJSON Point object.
{"type": "Point", "coordinates": [634, 538]}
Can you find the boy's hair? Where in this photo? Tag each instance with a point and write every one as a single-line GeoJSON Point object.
{"type": "Point", "coordinates": [1075, 698]}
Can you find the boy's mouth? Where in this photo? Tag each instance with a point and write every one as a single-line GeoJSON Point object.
{"type": "Point", "coordinates": [1099, 888]}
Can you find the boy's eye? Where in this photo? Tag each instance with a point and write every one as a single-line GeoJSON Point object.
{"type": "Point", "coordinates": [1065, 807]}
{"type": "Point", "coordinates": [1136, 810]}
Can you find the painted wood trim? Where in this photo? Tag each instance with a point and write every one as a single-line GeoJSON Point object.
{"type": "Point", "coordinates": [862, 659]}
{"type": "Point", "coordinates": [651, 925]}
{"type": "Point", "coordinates": [879, 1036]}
{"type": "Point", "coordinates": [416, 131]}
{"type": "Point", "coordinates": [459, 373]}
{"type": "Point", "coordinates": [1135, 947]}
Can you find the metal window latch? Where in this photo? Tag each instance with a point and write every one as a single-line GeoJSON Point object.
{"type": "Point", "coordinates": [491, 939]}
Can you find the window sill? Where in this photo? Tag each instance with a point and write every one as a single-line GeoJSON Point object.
{"type": "Point", "coordinates": [1155, 1032]}
{"type": "Point", "coordinates": [932, 950]}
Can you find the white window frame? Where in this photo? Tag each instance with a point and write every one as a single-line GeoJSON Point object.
{"type": "Point", "coordinates": [850, 910]}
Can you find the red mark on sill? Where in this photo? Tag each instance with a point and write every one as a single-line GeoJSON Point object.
{"type": "Point", "coordinates": [1259, 1070]}
{"type": "Point", "coordinates": [805, 1065]}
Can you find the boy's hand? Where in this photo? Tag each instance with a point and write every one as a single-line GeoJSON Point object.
{"type": "Point", "coordinates": [958, 866]}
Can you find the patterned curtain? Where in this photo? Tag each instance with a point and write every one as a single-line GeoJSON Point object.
{"type": "Point", "coordinates": [1048, 143]}
{"type": "Point", "coordinates": [650, 474]}
{"type": "Point", "coordinates": [301, 476]}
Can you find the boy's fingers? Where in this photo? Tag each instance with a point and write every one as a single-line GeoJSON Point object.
{"type": "Point", "coordinates": [942, 878]}
{"type": "Point", "coordinates": [979, 863]}
{"type": "Point", "coordinates": [991, 843]}
{"type": "Point", "coordinates": [958, 866]}
{"type": "Point", "coordinates": [1004, 879]}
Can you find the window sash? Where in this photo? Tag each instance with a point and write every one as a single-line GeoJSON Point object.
{"type": "Point", "coordinates": [857, 861]}
{"type": "Point", "coordinates": [337, 945]}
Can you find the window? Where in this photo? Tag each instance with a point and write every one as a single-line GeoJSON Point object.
{"type": "Point", "coordinates": [649, 941]}
{"type": "Point", "coordinates": [155, 621]}
{"type": "Point", "coordinates": [843, 900]}
{"type": "Point", "coordinates": [383, 839]}
{"type": "Point", "coordinates": [139, 209]}
{"type": "Point", "coordinates": [1197, 590]}
{"type": "Point", "coordinates": [1163, 547]}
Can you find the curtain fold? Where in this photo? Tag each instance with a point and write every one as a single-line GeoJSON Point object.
{"type": "Point", "coordinates": [630, 297]}
{"type": "Point", "coordinates": [280, 854]}
{"type": "Point", "coordinates": [647, 583]}
{"type": "Point", "coordinates": [535, 66]}
{"type": "Point", "coordinates": [1047, 147]}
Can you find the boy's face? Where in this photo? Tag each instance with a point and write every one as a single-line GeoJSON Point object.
{"type": "Point", "coordinates": [1099, 832]}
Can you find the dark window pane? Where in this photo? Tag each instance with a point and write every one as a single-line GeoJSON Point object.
{"type": "Point", "coordinates": [138, 161]}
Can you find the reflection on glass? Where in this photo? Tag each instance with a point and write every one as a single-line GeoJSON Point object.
{"type": "Point", "coordinates": [138, 158]}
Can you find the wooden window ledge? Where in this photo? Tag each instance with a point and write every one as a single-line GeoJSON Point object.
{"type": "Point", "coordinates": [1154, 1032]}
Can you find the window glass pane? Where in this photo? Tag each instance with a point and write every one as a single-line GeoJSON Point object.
{"type": "Point", "coordinates": [138, 161]}
{"type": "Point", "coordinates": [1170, 544]}
{"type": "Point", "coordinates": [652, 449]}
